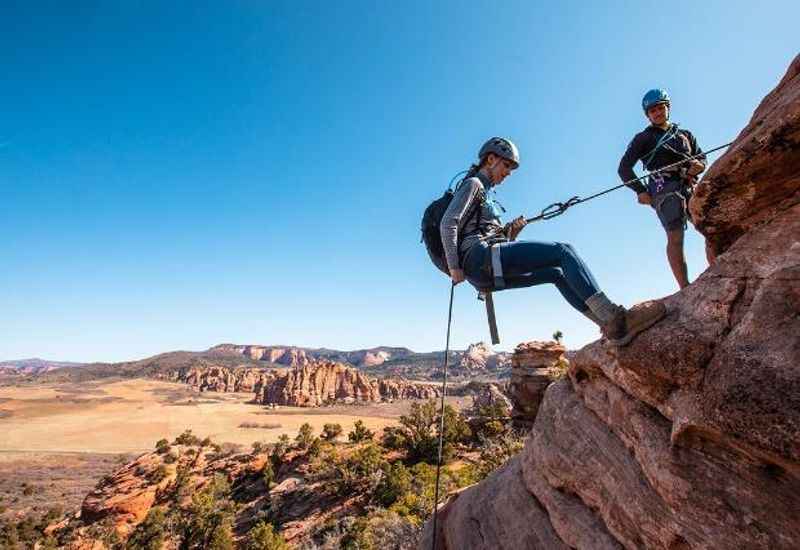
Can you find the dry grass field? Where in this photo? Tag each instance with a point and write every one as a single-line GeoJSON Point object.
{"type": "Point", "coordinates": [130, 415]}
{"type": "Point", "coordinates": [32, 483]}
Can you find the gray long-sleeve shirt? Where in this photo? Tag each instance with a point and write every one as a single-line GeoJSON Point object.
{"type": "Point", "coordinates": [473, 227]}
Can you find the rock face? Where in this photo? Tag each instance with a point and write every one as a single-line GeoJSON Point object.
{"type": "Point", "coordinates": [531, 367]}
{"type": "Point", "coordinates": [289, 356]}
{"type": "Point", "coordinates": [220, 379]}
{"type": "Point", "coordinates": [481, 357]}
{"type": "Point", "coordinates": [490, 397]}
{"type": "Point", "coordinates": [690, 436]}
{"type": "Point", "coordinates": [297, 501]}
{"type": "Point", "coordinates": [326, 382]}
{"type": "Point", "coordinates": [759, 174]}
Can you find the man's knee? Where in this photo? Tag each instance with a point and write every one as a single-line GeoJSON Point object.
{"type": "Point", "coordinates": [675, 238]}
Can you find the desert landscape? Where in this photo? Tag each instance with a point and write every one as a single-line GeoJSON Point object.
{"type": "Point", "coordinates": [130, 415]}
{"type": "Point", "coordinates": [58, 439]}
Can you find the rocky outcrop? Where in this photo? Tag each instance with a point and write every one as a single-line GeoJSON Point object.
{"type": "Point", "coordinates": [531, 372]}
{"type": "Point", "coordinates": [490, 397]}
{"type": "Point", "coordinates": [280, 355]}
{"type": "Point", "coordinates": [690, 436]}
{"type": "Point", "coordinates": [758, 177]}
{"type": "Point", "coordinates": [327, 382]}
{"type": "Point", "coordinates": [220, 379]}
{"type": "Point", "coordinates": [481, 357]}
{"type": "Point", "coordinates": [298, 501]}
{"type": "Point", "coordinates": [127, 495]}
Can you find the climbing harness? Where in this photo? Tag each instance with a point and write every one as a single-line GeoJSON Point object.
{"type": "Point", "coordinates": [558, 208]}
{"type": "Point", "coordinates": [441, 414]}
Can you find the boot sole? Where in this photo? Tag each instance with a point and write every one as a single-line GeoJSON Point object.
{"type": "Point", "coordinates": [625, 340]}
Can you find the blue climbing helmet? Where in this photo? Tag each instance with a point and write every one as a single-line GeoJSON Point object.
{"type": "Point", "coordinates": [654, 97]}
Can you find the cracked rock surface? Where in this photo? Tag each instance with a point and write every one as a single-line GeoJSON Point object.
{"type": "Point", "coordinates": [690, 436]}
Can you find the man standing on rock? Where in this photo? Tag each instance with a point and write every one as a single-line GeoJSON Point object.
{"type": "Point", "coordinates": [659, 145]}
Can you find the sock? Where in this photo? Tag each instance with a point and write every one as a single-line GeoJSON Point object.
{"type": "Point", "coordinates": [603, 308]}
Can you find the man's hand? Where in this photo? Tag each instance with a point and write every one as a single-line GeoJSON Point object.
{"type": "Point", "coordinates": [457, 275]}
{"type": "Point", "coordinates": [695, 167]}
{"type": "Point", "coordinates": [644, 198]}
{"type": "Point", "coordinates": [513, 228]}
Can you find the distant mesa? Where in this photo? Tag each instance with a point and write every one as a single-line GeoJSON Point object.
{"type": "Point", "coordinates": [296, 356]}
{"type": "Point", "coordinates": [479, 362]}
{"type": "Point", "coordinates": [34, 366]}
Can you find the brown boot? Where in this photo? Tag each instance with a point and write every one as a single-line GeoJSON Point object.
{"type": "Point", "coordinates": [626, 324]}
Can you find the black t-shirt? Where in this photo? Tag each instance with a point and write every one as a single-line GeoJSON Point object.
{"type": "Point", "coordinates": [642, 147]}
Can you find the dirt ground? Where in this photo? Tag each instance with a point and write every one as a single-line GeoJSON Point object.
{"type": "Point", "coordinates": [129, 416]}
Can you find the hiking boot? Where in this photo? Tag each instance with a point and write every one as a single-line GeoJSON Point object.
{"type": "Point", "coordinates": [626, 324]}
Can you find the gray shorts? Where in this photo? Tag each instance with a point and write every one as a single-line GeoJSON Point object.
{"type": "Point", "coordinates": [672, 210]}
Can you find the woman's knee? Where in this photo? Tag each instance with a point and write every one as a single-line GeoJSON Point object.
{"type": "Point", "coordinates": [566, 249]}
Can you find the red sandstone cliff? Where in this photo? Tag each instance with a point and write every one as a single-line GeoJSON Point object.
{"type": "Point", "coordinates": [220, 379]}
{"type": "Point", "coordinates": [325, 382]}
{"type": "Point", "coordinates": [689, 437]}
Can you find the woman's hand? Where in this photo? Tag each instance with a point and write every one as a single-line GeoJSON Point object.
{"type": "Point", "coordinates": [457, 275]}
{"type": "Point", "coordinates": [695, 167]}
{"type": "Point", "coordinates": [644, 198]}
{"type": "Point", "coordinates": [514, 227]}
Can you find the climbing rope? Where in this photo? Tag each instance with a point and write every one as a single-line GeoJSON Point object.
{"type": "Point", "coordinates": [441, 414]}
{"type": "Point", "coordinates": [558, 208]}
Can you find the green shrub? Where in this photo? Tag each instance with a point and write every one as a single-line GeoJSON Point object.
{"type": "Point", "coordinates": [331, 431]}
{"type": "Point", "coordinates": [264, 537]}
{"type": "Point", "coordinates": [159, 474]}
{"type": "Point", "coordinates": [362, 471]}
{"type": "Point", "coordinates": [207, 521]}
{"type": "Point", "coordinates": [151, 533]}
{"type": "Point", "coordinates": [396, 482]}
{"type": "Point", "coordinates": [187, 438]}
{"type": "Point", "coordinates": [162, 446]}
{"type": "Point", "coordinates": [418, 434]}
{"type": "Point", "coordinates": [491, 421]}
{"type": "Point", "coordinates": [304, 436]}
{"type": "Point", "coordinates": [268, 474]}
{"type": "Point", "coordinates": [360, 433]}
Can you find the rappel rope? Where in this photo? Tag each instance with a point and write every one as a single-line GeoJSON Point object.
{"type": "Point", "coordinates": [441, 414]}
{"type": "Point", "coordinates": [558, 208]}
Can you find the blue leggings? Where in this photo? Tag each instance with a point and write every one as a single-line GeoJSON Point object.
{"type": "Point", "coordinates": [529, 263]}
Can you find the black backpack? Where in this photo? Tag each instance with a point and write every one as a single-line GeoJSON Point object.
{"type": "Point", "coordinates": [432, 218]}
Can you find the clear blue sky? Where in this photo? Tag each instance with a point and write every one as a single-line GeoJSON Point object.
{"type": "Point", "coordinates": [176, 176]}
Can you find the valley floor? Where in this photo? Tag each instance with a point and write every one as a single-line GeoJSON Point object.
{"type": "Point", "coordinates": [130, 415]}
